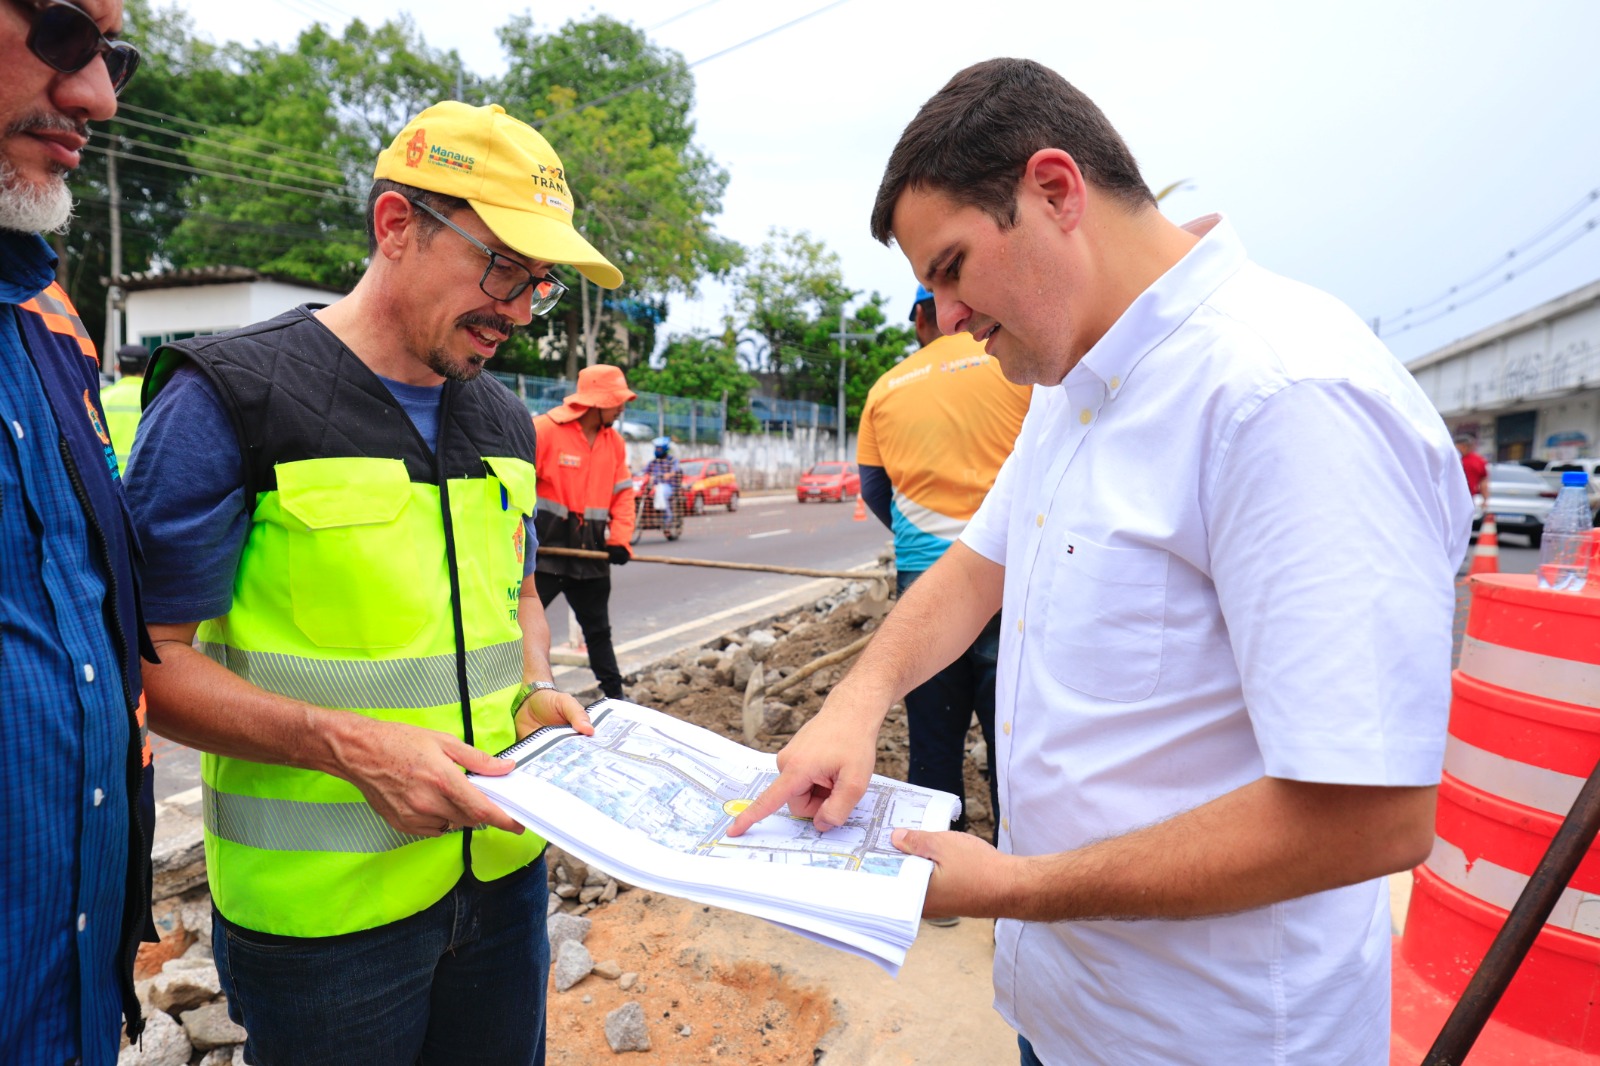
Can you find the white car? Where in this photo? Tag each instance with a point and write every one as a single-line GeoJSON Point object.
{"type": "Point", "coordinates": [1519, 499]}
{"type": "Point", "coordinates": [1552, 475]}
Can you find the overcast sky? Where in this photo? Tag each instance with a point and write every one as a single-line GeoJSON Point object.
{"type": "Point", "coordinates": [1383, 150]}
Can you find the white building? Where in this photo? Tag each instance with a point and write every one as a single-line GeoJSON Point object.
{"type": "Point", "coordinates": [1527, 388]}
{"type": "Point", "coordinates": [188, 303]}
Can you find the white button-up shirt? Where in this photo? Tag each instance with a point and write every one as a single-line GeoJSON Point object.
{"type": "Point", "coordinates": [1230, 537]}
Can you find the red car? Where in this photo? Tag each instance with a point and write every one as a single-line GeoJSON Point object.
{"type": "Point", "coordinates": [706, 482]}
{"type": "Point", "coordinates": [829, 481]}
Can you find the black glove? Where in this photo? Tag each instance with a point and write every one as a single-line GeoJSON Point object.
{"type": "Point", "coordinates": [619, 554]}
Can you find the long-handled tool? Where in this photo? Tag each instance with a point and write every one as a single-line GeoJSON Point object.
{"type": "Point", "coordinates": [672, 560]}
{"type": "Point", "coordinates": [756, 690]}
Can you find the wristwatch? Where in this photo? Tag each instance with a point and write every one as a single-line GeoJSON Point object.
{"type": "Point", "coordinates": [526, 689]}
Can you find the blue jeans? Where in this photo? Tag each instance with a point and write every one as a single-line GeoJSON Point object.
{"type": "Point", "coordinates": [1028, 1057]}
{"type": "Point", "coordinates": [939, 712]}
{"type": "Point", "coordinates": [460, 982]}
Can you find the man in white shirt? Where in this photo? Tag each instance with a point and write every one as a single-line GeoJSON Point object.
{"type": "Point", "coordinates": [1222, 699]}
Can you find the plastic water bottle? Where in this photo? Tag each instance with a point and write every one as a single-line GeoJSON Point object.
{"type": "Point", "coordinates": [1564, 547]}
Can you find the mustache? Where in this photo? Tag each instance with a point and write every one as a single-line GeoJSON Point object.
{"type": "Point", "coordinates": [482, 319]}
{"type": "Point", "coordinates": [46, 122]}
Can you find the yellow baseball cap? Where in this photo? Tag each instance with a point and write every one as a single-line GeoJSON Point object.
{"type": "Point", "coordinates": [508, 173]}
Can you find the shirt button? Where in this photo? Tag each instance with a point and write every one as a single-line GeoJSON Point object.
{"type": "Point", "coordinates": [1019, 625]}
{"type": "Point", "coordinates": [1116, 382]}
{"type": "Point", "coordinates": [99, 797]}
{"type": "Point", "coordinates": [1005, 823]}
{"type": "Point", "coordinates": [83, 922]}
{"type": "Point", "coordinates": [1039, 521]}
{"type": "Point", "coordinates": [16, 427]}
{"type": "Point", "coordinates": [1084, 416]}
{"type": "Point", "coordinates": [88, 672]}
{"type": "Point", "coordinates": [1005, 727]}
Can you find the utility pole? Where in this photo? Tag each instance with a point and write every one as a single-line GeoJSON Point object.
{"type": "Point", "coordinates": [108, 352]}
{"type": "Point", "coordinates": [844, 338]}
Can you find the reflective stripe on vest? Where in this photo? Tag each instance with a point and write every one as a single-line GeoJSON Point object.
{"type": "Point", "coordinates": [53, 306]}
{"type": "Point", "coordinates": [372, 684]}
{"type": "Point", "coordinates": [342, 599]}
{"type": "Point", "coordinates": [286, 825]}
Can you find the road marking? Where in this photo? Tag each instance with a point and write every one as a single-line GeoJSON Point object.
{"type": "Point", "coordinates": [184, 798]}
{"type": "Point", "coordinates": [768, 533]}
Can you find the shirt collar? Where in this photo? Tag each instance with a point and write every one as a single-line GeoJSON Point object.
{"type": "Point", "coordinates": [1166, 304]}
{"type": "Point", "coordinates": [27, 266]}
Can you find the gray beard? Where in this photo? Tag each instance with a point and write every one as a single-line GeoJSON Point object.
{"type": "Point", "coordinates": [26, 208]}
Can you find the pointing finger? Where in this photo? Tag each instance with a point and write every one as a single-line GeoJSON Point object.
{"type": "Point", "coordinates": [778, 793]}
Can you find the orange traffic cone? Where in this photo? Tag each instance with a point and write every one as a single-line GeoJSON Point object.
{"type": "Point", "coordinates": [1486, 556]}
{"type": "Point", "coordinates": [861, 509]}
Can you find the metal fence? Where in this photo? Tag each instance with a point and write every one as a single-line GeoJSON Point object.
{"type": "Point", "coordinates": [685, 420]}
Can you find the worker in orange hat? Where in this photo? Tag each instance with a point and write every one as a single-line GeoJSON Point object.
{"type": "Point", "coordinates": [586, 501]}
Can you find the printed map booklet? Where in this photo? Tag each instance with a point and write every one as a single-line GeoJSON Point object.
{"type": "Point", "coordinates": [649, 800]}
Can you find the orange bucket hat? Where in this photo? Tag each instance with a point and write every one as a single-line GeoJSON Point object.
{"type": "Point", "coordinates": [601, 385]}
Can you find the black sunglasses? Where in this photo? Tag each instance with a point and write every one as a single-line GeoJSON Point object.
{"type": "Point", "coordinates": [66, 38]}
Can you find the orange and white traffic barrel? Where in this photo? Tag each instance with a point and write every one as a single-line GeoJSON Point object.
{"type": "Point", "coordinates": [1486, 552]}
{"type": "Point", "coordinates": [1524, 736]}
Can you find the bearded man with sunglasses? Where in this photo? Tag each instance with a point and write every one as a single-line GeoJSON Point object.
{"type": "Point", "coordinates": [76, 810]}
{"type": "Point", "coordinates": [337, 503]}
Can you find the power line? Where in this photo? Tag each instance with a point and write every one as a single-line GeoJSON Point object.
{"type": "Point", "coordinates": [289, 230]}
{"type": "Point", "coordinates": [192, 138]}
{"type": "Point", "coordinates": [1523, 267]}
{"type": "Point", "coordinates": [585, 50]}
{"type": "Point", "coordinates": [193, 157]}
{"type": "Point", "coordinates": [1566, 216]}
{"type": "Point", "coordinates": [636, 86]}
{"type": "Point", "coordinates": [669, 20]}
{"type": "Point", "coordinates": [230, 177]}
{"type": "Point", "coordinates": [312, 158]}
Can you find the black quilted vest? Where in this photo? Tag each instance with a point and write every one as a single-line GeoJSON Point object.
{"type": "Point", "coordinates": [294, 391]}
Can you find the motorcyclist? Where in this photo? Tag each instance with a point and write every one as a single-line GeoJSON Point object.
{"type": "Point", "coordinates": [662, 474]}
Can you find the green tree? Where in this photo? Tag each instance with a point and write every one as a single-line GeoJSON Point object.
{"type": "Point", "coordinates": [616, 108]}
{"type": "Point", "coordinates": [326, 108]}
{"type": "Point", "coordinates": [704, 368]}
{"type": "Point", "coordinates": [787, 297]}
{"type": "Point", "coordinates": [179, 75]}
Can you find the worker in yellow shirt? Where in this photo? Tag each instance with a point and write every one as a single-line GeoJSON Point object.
{"type": "Point", "coordinates": [934, 431]}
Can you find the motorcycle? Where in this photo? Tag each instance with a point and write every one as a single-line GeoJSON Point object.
{"type": "Point", "coordinates": [657, 504]}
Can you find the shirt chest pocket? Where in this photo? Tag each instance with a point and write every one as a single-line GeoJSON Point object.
{"type": "Point", "coordinates": [1103, 617]}
{"type": "Point", "coordinates": [355, 573]}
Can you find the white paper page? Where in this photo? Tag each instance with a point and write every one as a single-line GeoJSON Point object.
{"type": "Point", "coordinates": [650, 798]}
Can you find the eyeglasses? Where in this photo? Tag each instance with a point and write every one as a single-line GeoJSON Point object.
{"type": "Point", "coordinates": [66, 38]}
{"type": "Point", "coordinates": [505, 279]}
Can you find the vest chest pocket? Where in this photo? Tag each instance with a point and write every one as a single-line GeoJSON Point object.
{"type": "Point", "coordinates": [1104, 617]}
{"type": "Point", "coordinates": [353, 555]}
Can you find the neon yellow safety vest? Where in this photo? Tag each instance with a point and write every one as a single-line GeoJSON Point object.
{"type": "Point", "coordinates": [343, 598]}
{"type": "Point", "coordinates": [121, 402]}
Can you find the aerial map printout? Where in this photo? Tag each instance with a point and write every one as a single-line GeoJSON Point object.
{"type": "Point", "coordinates": [649, 799]}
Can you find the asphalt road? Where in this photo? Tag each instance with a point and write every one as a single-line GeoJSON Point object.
{"type": "Point", "coordinates": [659, 608]}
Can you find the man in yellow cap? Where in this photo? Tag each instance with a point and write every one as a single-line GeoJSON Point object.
{"type": "Point", "coordinates": [338, 504]}
{"type": "Point", "coordinates": [586, 501]}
